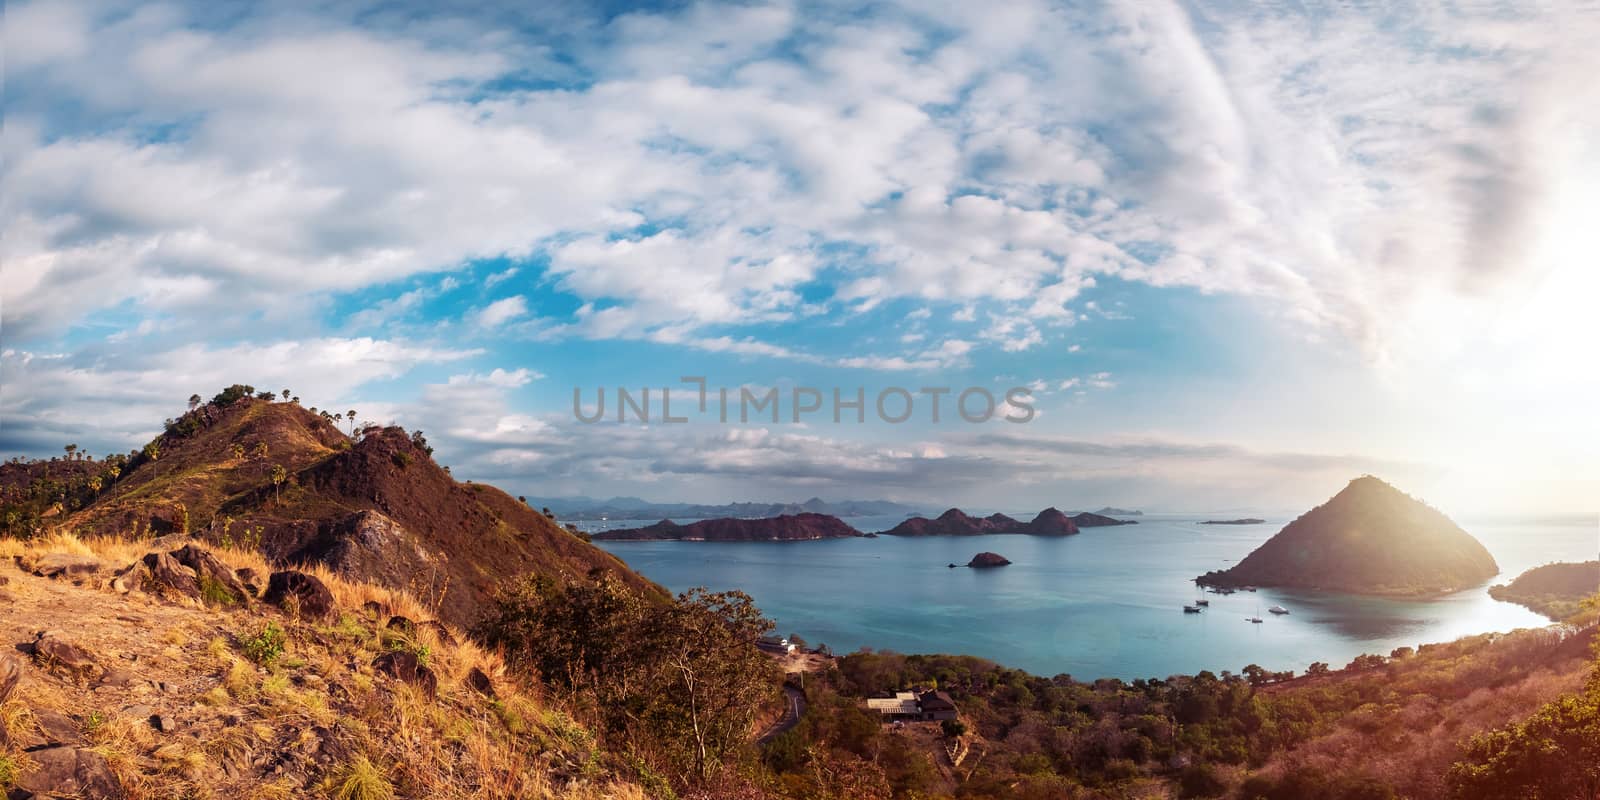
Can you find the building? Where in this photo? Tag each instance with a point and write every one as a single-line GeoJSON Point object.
{"type": "Point", "coordinates": [776, 645]}
{"type": "Point", "coordinates": [914, 707]}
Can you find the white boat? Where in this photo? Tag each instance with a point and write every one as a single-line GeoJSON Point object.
{"type": "Point", "coordinates": [1256, 620]}
{"type": "Point", "coordinates": [1278, 610]}
{"type": "Point", "coordinates": [1191, 609]}
{"type": "Point", "coordinates": [1202, 602]}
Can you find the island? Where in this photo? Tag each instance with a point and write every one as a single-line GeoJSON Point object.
{"type": "Point", "coordinates": [782, 528]}
{"type": "Point", "coordinates": [1113, 511]}
{"type": "Point", "coordinates": [1370, 539]}
{"type": "Point", "coordinates": [955, 522]}
{"type": "Point", "coordinates": [985, 560]}
{"type": "Point", "coordinates": [1240, 521]}
{"type": "Point", "coordinates": [1554, 590]}
{"type": "Point", "coordinates": [1089, 519]}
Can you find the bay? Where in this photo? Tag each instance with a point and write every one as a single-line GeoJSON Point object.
{"type": "Point", "coordinates": [1105, 603]}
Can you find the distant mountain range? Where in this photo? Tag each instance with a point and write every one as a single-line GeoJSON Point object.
{"type": "Point", "coordinates": [782, 528]}
{"type": "Point", "coordinates": [590, 508]}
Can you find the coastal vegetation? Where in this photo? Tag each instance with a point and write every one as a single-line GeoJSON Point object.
{"type": "Point", "coordinates": [1554, 590]}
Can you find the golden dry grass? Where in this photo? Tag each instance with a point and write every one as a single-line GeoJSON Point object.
{"type": "Point", "coordinates": [455, 745]}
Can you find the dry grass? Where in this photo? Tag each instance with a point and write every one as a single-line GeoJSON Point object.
{"type": "Point", "coordinates": [391, 740]}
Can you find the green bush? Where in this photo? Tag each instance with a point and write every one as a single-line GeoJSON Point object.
{"type": "Point", "coordinates": [265, 646]}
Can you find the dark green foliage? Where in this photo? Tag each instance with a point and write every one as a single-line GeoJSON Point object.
{"type": "Point", "coordinates": [678, 684]}
{"type": "Point", "coordinates": [233, 394]}
{"type": "Point", "coordinates": [1552, 755]}
{"type": "Point", "coordinates": [265, 645]}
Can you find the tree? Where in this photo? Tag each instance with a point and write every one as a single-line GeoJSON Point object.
{"type": "Point", "coordinates": [1553, 754]}
{"type": "Point", "coordinates": [71, 449]}
{"type": "Point", "coordinates": [194, 401]}
{"type": "Point", "coordinates": [953, 728]}
{"type": "Point", "coordinates": [260, 450]}
{"type": "Point", "coordinates": [285, 395]}
{"type": "Point", "coordinates": [279, 475]}
{"type": "Point", "coordinates": [295, 399]}
{"type": "Point", "coordinates": [351, 415]}
{"type": "Point", "coordinates": [237, 450]}
{"type": "Point", "coordinates": [1317, 668]}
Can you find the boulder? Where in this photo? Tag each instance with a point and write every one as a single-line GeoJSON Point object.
{"type": "Point", "coordinates": [10, 675]}
{"type": "Point", "coordinates": [403, 666]}
{"type": "Point", "coordinates": [65, 565]}
{"type": "Point", "coordinates": [216, 578]}
{"type": "Point", "coordinates": [67, 771]}
{"type": "Point", "coordinates": [168, 576]}
{"type": "Point", "coordinates": [59, 729]}
{"type": "Point", "coordinates": [478, 681]}
{"type": "Point", "coordinates": [250, 580]}
{"type": "Point", "coordinates": [53, 653]}
{"type": "Point", "coordinates": [299, 593]}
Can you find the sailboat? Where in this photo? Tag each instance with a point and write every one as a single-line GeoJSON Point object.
{"type": "Point", "coordinates": [1257, 618]}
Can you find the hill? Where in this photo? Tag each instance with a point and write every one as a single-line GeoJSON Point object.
{"type": "Point", "coordinates": [1554, 590]}
{"type": "Point", "coordinates": [1370, 538]}
{"type": "Point", "coordinates": [375, 507]}
{"type": "Point", "coordinates": [140, 691]}
{"type": "Point", "coordinates": [1089, 519]}
{"type": "Point", "coordinates": [955, 522]}
{"type": "Point", "coordinates": [783, 528]}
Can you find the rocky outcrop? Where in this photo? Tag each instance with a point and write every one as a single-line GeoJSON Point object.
{"type": "Point", "coordinates": [54, 653]}
{"type": "Point", "coordinates": [955, 522]}
{"type": "Point", "coordinates": [66, 771]}
{"type": "Point", "coordinates": [299, 594]}
{"type": "Point", "coordinates": [1370, 538]}
{"type": "Point", "coordinates": [986, 560]}
{"type": "Point", "coordinates": [784, 528]}
{"type": "Point", "coordinates": [403, 666]}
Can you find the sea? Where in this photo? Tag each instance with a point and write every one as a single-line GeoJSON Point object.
{"type": "Point", "coordinates": [1105, 603]}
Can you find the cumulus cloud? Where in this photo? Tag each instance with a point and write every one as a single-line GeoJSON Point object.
{"type": "Point", "coordinates": [700, 167]}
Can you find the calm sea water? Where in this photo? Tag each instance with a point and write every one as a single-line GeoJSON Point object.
{"type": "Point", "coordinates": [1106, 603]}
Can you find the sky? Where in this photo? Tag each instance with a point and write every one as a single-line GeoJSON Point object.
{"type": "Point", "coordinates": [1237, 254]}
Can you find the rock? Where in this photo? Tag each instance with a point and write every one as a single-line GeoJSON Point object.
{"type": "Point", "coordinates": [70, 772]}
{"type": "Point", "coordinates": [117, 678]}
{"type": "Point", "coordinates": [10, 675]}
{"type": "Point", "coordinates": [53, 653]}
{"type": "Point", "coordinates": [250, 580]}
{"type": "Point", "coordinates": [163, 722]}
{"type": "Point", "coordinates": [168, 576]}
{"type": "Point", "coordinates": [59, 729]}
{"type": "Point", "coordinates": [402, 625]}
{"type": "Point", "coordinates": [478, 681]}
{"type": "Point", "coordinates": [66, 565]}
{"type": "Point", "coordinates": [982, 560]}
{"type": "Point", "coordinates": [300, 594]}
{"type": "Point", "coordinates": [376, 608]}
{"type": "Point", "coordinates": [218, 583]}
{"type": "Point", "coordinates": [440, 631]}
{"type": "Point", "coordinates": [404, 667]}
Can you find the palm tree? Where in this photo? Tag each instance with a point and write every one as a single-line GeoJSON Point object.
{"type": "Point", "coordinates": [279, 475]}
{"type": "Point", "coordinates": [194, 401]}
{"type": "Point", "coordinates": [71, 448]}
{"type": "Point", "coordinates": [285, 394]}
{"type": "Point", "coordinates": [295, 399]}
{"type": "Point", "coordinates": [351, 415]}
{"type": "Point", "coordinates": [237, 450]}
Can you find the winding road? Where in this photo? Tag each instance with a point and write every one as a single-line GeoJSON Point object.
{"type": "Point", "coordinates": [796, 705]}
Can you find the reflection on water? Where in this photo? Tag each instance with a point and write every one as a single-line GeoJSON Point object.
{"type": "Point", "coordinates": [1104, 603]}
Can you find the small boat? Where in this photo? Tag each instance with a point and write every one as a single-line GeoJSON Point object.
{"type": "Point", "coordinates": [1202, 602]}
{"type": "Point", "coordinates": [1255, 620]}
{"type": "Point", "coordinates": [1278, 610]}
{"type": "Point", "coordinates": [1249, 588]}
{"type": "Point", "coordinates": [1191, 609]}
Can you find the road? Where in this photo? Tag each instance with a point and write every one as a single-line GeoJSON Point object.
{"type": "Point", "coordinates": [791, 715]}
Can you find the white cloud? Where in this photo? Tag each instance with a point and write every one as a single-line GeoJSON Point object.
{"type": "Point", "coordinates": [500, 312]}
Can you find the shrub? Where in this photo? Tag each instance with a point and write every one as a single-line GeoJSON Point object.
{"type": "Point", "coordinates": [265, 646]}
{"type": "Point", "coordinates": [362, 780]}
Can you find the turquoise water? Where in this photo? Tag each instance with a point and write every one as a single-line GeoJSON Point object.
{"type": "Point", "coordinates": [1106, 603]}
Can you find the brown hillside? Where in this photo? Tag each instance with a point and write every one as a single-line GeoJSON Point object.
{"type": "Point", "coordinates": [378, 509]}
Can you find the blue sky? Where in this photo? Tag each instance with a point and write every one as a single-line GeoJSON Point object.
{"type": "Point", "coordinates": [1238, 254]}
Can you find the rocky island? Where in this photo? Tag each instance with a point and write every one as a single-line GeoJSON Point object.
{"type": "Point", "coordinates": [1241, 521]}
{"type": "Point", "coordinates": [1370, 538]}
{"type": "Point", "coordinates": [1113, 511]}
{"type": "Point", "coordinates": [955, 522]}
{"type": "Point", "coordinates": [782, 528]}
{"type": "Point", "coordinates": [985, 560]}
{"type": "Point", "coordinates": [1089, 519]}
